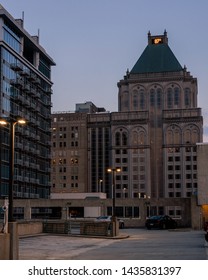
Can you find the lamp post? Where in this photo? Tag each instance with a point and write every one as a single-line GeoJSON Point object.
{"type": "Point", "coordinates": [114, 171]}
{"type": "Point", "coordinates": [12, 227]}
{"type": "Point", "coordinates": [100, 185]}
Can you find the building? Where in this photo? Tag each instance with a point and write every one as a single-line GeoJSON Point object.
{"type": "Point", "coordinates": [202, 175]}
{"type": "Point", "coordinates": [69, 149]}
{"type": "Point", "coordinates": [151, 139]}
{"type": "Point", "coordinates": [166, 94]}
{"type": "Point", "coordinates": [25, 93]}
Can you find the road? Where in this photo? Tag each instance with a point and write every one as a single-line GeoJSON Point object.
{"type": "Point", "coordinates": [142, 244]}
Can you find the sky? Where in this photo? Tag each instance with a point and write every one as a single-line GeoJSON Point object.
{"type": "Point", "coordinates": [93, 42]}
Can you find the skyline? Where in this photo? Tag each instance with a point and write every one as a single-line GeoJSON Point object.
{"type": "Point", "coordinates": [101, 39]}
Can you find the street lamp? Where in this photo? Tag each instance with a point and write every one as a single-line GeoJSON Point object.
{"type": "Point", "coordinates": [12, 231]}
{"type": "Point", "coordinates": [100, 185]}
{"type": "Point", "coordinates": [114, 171]}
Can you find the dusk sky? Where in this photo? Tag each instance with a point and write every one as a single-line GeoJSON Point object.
{"type": "Point", "coordinates": [93, 42]}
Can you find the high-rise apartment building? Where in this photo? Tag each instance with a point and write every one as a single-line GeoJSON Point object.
{"type": "Point", "coordinates": [25, 92]}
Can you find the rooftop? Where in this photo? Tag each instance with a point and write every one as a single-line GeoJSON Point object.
{"type": "Point", "coordinates": [157, 57]}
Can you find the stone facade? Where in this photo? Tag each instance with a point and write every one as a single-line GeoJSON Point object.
{"type": "Point", "coordinates": [151, 139]}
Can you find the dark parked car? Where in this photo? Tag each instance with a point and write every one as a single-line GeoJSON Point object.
{"type": "Point", "coordinates": [161, 222]}
{"type": "Point", "coordinates": [206, 226]}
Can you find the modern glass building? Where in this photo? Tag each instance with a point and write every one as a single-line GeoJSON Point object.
{"type": "Point", "coordinates": [25, 93]}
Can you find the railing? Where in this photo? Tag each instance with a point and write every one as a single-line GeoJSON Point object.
{"type": "Point", "coordinates": [78, 227]}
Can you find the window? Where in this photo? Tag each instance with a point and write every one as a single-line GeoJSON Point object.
{"type": "Point", "coordinates": [178, 194]}
{"type": "Point", "coordinates": [135, 100]}
{"type": "Point", "coordinates": [159, 98]}
{"type": "Point", "coordinates": [124, 139]}
{"type": "Point", "coordinates": [176, 96]}
{"type": "Point", "coordinates": [142, 100]}
{"type": "Point", "coordinates": [188, 167]}
{"type": "Point", "coordinates": [170, 159]}
{"type": "Point", "coordinates": [117, 139]}
{"type": "Point", "coordinates": [188, 185]}
{"type": "Point", "coordinates": [187, 97]}
{"type": "Point", "coordinates": [170, 185]}
{"type": "Point", "coordinates": [152, 97]}
{"type": "Point", "coordinates": [169, 98]}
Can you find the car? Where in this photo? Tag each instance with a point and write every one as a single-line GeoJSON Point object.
{"type": "Point", "coordinates": [109, 219]}
{"type": "Point", "coordinates": [206, 226]}
{"type": "Point", "coordinates": [161, 222]}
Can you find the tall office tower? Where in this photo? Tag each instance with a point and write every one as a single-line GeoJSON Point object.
{"type": "Point", "coordinates": [25, 92]}
{"type": "Point", "coordinates": [165, 144]}
{"type": "Point", "coordinates": [69, 149]}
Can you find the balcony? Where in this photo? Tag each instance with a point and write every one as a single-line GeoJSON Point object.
{"type": "Point", "coordinates": [25, 72]}
{"type": "Point", "coordinates": [37, 81]}
{"type": "Point", "coordinates": [18, 82]}
{"type": "Point", "coordinates": [16, 67]}
{"type": "Point", "coordinates": [49, 91]}
{"type": "Point", "coordinates": [19, 161]}
{"type": "Point", "coordinates": [49, 103]}
{"type": "Point", "coordinates": [18, 98]}
{"type": "Point", "coordinates": [19, 146]}
{"type": "Point", "coordinates": [26, 87]}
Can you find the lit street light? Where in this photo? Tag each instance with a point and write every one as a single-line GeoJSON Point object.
{"type": "Point", "coordinates": [100, 185]}
{"type": "Point", "coordinates": [113, 171]}
{"type": "Point", "coordinates": [13, 236]}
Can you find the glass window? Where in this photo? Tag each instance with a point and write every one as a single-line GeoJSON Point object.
{"type": "Point", "coordinates": [176, 96]}
{"type": "Point", "coordinates": [117, 139]}
{"type": "Point", "coordinates": [159, 102]}
{"type": "Point", "coordinates": [187, 97]}
{"type": "Point", "coordinates": [124, 139]}
{"type": "Point", "coordinates": [152, 97]}
{"type": "Point", "coordinates": [135, 100]}
{"type": "Point", "coordinates": [11, 38]}
{"type": "Point", "coordinates": [170, 98]}
{"type": "Point", "coordinates": [142, 100]}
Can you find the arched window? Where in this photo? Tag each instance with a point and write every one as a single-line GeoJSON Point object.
{"type": "Point", "coordinates": [187, 97]}
{"type": "Point", "coordinates": [142, 99]}
{"type": "Point", "coordinates": [118, 139]}
{"type": "Point", "coordinates": [176, 96]}
{"type": "Point", "coordinates": [124, 139]}
{"type": "Point", "coordinates": [152, 97]}
{"type": "Point", "coordinates": [169, 98]}
{"type": "Point", "coordinates": [159, 98]}
{"type": "Point", "coordinates": [135, 100]}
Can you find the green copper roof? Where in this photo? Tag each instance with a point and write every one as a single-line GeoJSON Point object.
{"type": "Point", "coordinates": [156, 58]}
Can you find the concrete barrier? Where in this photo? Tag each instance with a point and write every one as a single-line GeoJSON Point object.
{"type": "Point", "coordinates": [5, 246]}
{"type": "Point", "coordinates": [29, 228]}
{"type": "Point", "coordinates": [94, 228]}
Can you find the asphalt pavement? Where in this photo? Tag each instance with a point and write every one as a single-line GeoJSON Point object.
{"type": "Point", "coordinates": [131, 244]}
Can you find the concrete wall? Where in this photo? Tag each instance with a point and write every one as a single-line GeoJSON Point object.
{"type": "Point", "coordinates": [4, 246]}
{"type": "Point", "coordinates": [29, 228]}
{"type": "Point", "coordinates": [92, 212]}
{"type": "Point", "coordinates": [190, 214]}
